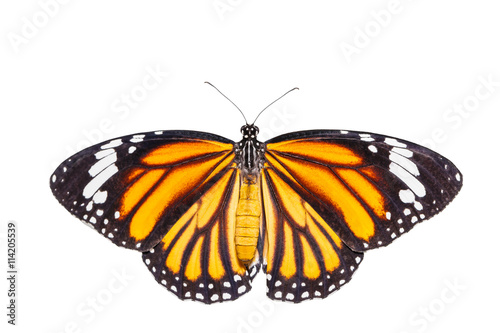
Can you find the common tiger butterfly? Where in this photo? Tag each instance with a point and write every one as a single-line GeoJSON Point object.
{"type": "Point", "coordinates": [208, 213]}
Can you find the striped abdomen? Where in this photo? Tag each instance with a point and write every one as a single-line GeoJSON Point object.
{"type": "Point", "coordinates": [247, 220]}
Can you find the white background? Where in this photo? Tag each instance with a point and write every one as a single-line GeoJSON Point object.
{"type": "Point", "coordinates": [61, 86]}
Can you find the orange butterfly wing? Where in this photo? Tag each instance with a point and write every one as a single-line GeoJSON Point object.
{"type": "Point", "coordinates": [171, 195]}
{"type": "Point", "coordinates": [370, 189]}
{"type": "Point", "coordinates": [304, 257]}
{"type": "Point", "coordinates": [330, 195]}
{"type": "Point", "coordinates": [133, 189]}
{"type": "Point", "coordinates": [197, 258]}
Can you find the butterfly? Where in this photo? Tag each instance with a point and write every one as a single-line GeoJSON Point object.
{"type": "Point", "coordinates": [208, 213]}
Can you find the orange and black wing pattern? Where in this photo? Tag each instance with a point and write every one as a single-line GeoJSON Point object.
{"type": "Point", "coordinates": [207, 212]}
{"type": "Point", "coordinates": [368, 188]}
{"type": "Point", "coordinates": [171, 195]}
{"type": "Point", "coordinates": [328, 196]}
{"type": "Point", "coordinates": [133, 189]}
{"type": "Point", "coordinates": [197, 258]}
{"type": "Point", "coordinates": [303, 257]}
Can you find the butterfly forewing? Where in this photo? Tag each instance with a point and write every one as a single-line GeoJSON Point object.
{"type": "Point", "coordinates": [133, 189]}
{"type": "Point", "coordinates": [370, 189]}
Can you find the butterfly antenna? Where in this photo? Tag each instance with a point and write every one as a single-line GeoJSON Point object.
{"type": "Point", "coordinates": [277, 99]}
{"type": "Point", "coordinates": [228, 100]}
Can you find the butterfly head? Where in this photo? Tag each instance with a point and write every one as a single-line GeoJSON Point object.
{"type": "Point", "coordinates": [249, 132]}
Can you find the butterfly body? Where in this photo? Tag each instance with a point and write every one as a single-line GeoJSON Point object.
{"type": "Point", "coordinates": [248, 215]}
{"type": "Point", "coordinates": [208, 213]}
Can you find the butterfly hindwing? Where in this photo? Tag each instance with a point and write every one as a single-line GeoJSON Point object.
{"type": "Point", "coordinates": [132, 189]}
{"type": "Point", "coordinates": [369, 188]}
{"type": "Point", "coordinates": [197, 258]}
{"type": "Point", "coordinates": [304, 257]}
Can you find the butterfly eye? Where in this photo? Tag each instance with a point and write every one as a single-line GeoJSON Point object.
{"type": "Point", "coordinates": [242, 129]}
{"type": "Point", "coordinates": [256, 130]}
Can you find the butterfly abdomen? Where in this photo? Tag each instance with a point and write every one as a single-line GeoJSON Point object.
{"type": "Point", "coordinates": [247, 220]}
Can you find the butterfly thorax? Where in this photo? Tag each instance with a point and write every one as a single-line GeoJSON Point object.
{"type": "Point", "coordinates": [249, 151]}
{"type": "Point", "coordinates": [249, 157]}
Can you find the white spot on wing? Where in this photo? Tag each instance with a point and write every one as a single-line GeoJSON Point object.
{"type": "Point", "coordinates": [366, 137]}
{"type": "Point", "coordinates": [404, 162]}
{"type": "Point", "coordinates": [112, 144]}
{"type": "Point", "coordinates": [103, 153]}
{"type": "Point", "coordinates": [394, 142]}
{"type": "Point", "coordinates": [102, 164]}
{"type": "Point", "coordinates": [402, 151]}
{"type": "Point", "coordinates": [98, 180]}
{"type": "Point", "coordinates": [100, 197]}
{"type": "Point", "coordinates": [406, 196]}
{"type": "Point", "coordinates": [137, 138]}
{"type": "Point", "coordinates": [413, 183]}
